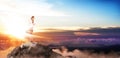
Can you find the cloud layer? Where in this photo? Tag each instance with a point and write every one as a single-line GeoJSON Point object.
{"type": "Point", "coordinates": [92, 37]}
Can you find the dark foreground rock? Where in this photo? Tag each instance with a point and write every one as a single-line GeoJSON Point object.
{"type": "Point", "coordinates": [33, 50]}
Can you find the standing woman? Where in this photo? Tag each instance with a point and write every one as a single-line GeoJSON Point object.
{"type": "Point", "coordinates": [30, 31]}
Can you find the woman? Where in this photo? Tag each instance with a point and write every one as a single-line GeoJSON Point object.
{"type": "Point", "coordinates": [30, 31]}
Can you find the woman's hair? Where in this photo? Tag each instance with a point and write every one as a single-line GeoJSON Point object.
{"type": "Point", "coordinates": [32, 17]}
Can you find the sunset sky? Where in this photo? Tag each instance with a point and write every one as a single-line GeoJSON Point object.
{"type": "Point", "coordinates": [82, 22]}
{"type": "Point", "coordinates": [61, 14]}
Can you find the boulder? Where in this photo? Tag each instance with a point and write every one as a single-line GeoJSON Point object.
{"type": "Point", "coordinates": [33, 50]}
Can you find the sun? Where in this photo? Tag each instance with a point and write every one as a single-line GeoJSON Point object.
{"type": "Point", "coordinates": [16, 27]}
{"type": "Point", "coordinates": [20, 33]}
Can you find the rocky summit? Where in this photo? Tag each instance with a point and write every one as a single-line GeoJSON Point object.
{"type": "Point", "coordinates": [33, 50]}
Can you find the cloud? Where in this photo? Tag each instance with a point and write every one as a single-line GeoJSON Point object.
{"type": "Point", "coordinates": [84, 33]}
{"type": "Point", "coordinates": [110, 31]}
{"type": "Point", "coordinates": [96, 31]}
{"type": "Point", "coordinates": [7, 41]}
{"type": "Point", "coordinates": [43, 8]}
{"type": "Point", "coordinates": [92, 37]}
{"type": "Point", "coordinates": [85, 53]}
{"type": "Point", "coordinates": [29, 7]}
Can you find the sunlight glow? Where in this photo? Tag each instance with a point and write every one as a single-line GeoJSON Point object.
{"type": "Point", "coordinates": [14, 26]}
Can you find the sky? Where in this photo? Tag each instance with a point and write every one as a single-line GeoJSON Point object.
{"type": "Point", "coordinates": [61, 14]}
{"type": "Point", "coordinates": [85, 23]}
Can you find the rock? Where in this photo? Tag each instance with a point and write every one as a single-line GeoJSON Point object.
{"type": "Point", "coordinates": [33, 50]}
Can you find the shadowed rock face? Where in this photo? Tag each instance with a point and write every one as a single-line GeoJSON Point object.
{"type": "Point", "coordinates": [33, 50]}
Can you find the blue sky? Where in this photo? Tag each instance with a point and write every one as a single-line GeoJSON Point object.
{"type": "Point", "coordinates": [89, 13]}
